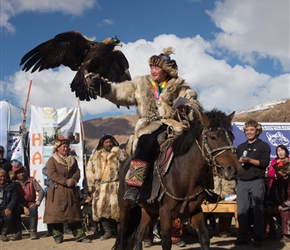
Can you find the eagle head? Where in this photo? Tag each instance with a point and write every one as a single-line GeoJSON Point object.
{"type": "Point", "coordinates": [113, 41]}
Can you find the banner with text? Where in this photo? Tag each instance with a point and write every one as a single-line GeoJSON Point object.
{"type": "Point", "coordinates": [16, 148]}
{"type": "Point", "coordinates": [46, 125]}
{"type": "Point", "coordinates": [273, 133]}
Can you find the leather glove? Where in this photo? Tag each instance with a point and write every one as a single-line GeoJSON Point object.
{"type": "Point", "coordinates": [98, 85]}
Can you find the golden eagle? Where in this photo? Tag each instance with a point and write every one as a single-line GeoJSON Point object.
{"type": "Point", "coordinates": [72, 49]}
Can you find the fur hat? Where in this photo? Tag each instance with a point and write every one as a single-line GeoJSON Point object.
{"type": "Point", "coordinates": [164, 62]}
{"type": "Point", "coordinates": [105, 137]}
{"type": "Point", "coordinates": [59, 141]}
{"type": "Point", "coordinates": [255, 124]}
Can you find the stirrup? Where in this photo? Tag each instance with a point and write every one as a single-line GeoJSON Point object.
{"type": "Point", "coordinates": [132, 195]}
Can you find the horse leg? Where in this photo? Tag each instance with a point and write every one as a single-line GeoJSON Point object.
{"type": "Point", "coordinates": [144, 223]}
{"type": "Point", "coordinates": [197, 222]}
{"type": "Point", "coordinates": [165, 224]}
{"type": "Point", "coordinates": [129, 222]}
{"type": "Point", "coordinates": [123, 227]}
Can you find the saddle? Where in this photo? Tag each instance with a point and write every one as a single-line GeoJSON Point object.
{"type": "Point", "coordinates": [161, 164]}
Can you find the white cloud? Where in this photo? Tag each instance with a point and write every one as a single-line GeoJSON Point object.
{"type": "Point", "coordinates": [219, 85]}
{"type": "Point", "coordinates": [14, 7]}
{"type": "Point", "coordinates": [250, 30]}
{"type": "Point", "coordinates": [106, 22]}
{"type": "Point", "coordinates": [254, 29]}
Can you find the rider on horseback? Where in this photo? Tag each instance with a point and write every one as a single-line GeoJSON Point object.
{"type": "Point", "coordinates": [155, 96]}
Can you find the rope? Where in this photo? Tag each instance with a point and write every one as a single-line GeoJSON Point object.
{"type": "Point", "coordinates": [209, 158]}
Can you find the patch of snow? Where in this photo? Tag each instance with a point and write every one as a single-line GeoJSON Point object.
{"type": "Point", "coordinates": [263, 106]}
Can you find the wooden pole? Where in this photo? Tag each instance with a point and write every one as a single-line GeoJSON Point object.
{"type": "Point", "coordinates": [83, 134]}
{"type": "Point", "coordinates": [23, 125]}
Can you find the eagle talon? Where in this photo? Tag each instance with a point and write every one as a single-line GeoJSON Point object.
{"type": "Point", "coordinates": [91, 75]}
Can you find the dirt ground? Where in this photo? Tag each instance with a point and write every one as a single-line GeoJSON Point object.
{"type": "Point", "coordinates": [47, 243]}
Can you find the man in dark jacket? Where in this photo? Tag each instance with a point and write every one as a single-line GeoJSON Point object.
{"type": "Point", "coordinates": [254, 156]}
{"type": "Point", "coordinates": [8, 203]}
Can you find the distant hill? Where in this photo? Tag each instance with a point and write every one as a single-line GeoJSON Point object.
{"type": "Point", "coordinates": [274, 111]}
{"type": "Point", "coordinates": [123, 126]}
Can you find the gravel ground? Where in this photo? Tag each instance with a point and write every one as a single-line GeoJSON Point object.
{"type": "Point", "coordinates": [47, 243]}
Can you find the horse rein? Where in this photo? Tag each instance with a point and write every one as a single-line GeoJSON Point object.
{"type": "Point", "coordinates": [211, 155]}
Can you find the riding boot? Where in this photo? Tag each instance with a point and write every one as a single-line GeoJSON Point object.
{"type": "Point", "coordinates": [33, 228]}
{"type": "Point", "coordinates": [4, 233]}
{"type": "Point", "coordinates": [106, 224]}
{"type": "Point", "coordinates": [135, 177]}
{"type": "Point", "coordinates": [132, 195]}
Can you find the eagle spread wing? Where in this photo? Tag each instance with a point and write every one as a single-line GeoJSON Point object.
{"type": "Point", "coordinates": [73, 50]}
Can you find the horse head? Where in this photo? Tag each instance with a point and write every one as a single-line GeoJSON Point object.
{"type": "Point", "coordinates": [217, 143]}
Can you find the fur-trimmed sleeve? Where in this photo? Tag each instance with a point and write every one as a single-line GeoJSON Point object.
{"type": "Point", "coordinates": [120, 153]}
{"type": "Point", "coordinates": [193, 105]}
{"type": "Point", "coordinates": [90, 175]}
{"type": "Point", "coordinates": [123, 94]}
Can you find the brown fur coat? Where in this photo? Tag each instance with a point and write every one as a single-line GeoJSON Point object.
{"type": "Point", "coordinates": [139, 92]}
{"type": "Point", "coordinates": [102, 173]}
{"type": "Point", "coordinates": [62, 202]}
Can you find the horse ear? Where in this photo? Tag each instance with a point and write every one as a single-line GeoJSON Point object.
{"type": "Point", "coordinates": [204, 120]}
{"type": "Point", "coordinates": [231, 116]}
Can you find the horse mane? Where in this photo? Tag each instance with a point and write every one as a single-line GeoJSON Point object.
{"type": "Point", "coordinates": [183, 142]}
{"type": "Point", "coordinates": [217, 119]}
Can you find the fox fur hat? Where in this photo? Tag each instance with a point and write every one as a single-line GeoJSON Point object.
{"type": "Point", "coordinates": [164, 61]}
{"type": "Point", "coordinates": [59, 141]}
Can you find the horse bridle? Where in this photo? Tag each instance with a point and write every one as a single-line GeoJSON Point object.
{"type": "Point", "coordinates": [209, 154]}
{"type": "Point", "coordinates": [209, 157]}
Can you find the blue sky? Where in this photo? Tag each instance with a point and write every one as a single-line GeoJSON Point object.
{"type": "Point", "coordinates": [234, 53]}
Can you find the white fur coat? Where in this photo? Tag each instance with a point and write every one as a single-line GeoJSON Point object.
{"type": "Point", "coordinates": [102, 173]}
{"type": "Point", "coordinates": [139, 92]}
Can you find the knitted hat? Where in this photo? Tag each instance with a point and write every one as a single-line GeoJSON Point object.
{"type": "Point", "coordinates": [2, 149]}
{"type": "Point", "coordinates": [105, 137]}
{"type": "Point", "coordinates": [59, 141]}
{"type": "Point", "coordinates": [17, 166]}
{"type": "Point", "coordinates": [164, 61]}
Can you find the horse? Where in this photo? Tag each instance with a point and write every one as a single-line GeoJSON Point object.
{"type": "Point", "coordinates": [205, 144]}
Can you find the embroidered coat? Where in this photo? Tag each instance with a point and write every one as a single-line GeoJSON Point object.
{"type": "Point", "coordinates": [153, 113]}
{"type": "Point", "coordinates": [62, 202]}
{"type": "Point", "coordinates": [102, 173]}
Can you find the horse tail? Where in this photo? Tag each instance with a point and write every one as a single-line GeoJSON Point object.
{"type": "Point", "coordinates": [130, 237]}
